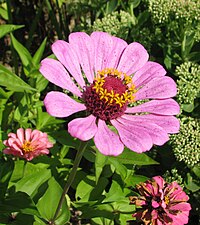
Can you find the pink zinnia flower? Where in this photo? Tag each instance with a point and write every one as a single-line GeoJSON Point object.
{"type": "Point", "coordinates": [107, 75]}
{"type": "Point", "coordinates": [161, 203]}
{"type": "Point", "coordinates": [27, 144]}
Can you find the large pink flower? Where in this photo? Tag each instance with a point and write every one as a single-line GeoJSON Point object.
{"type": "Point", "coordinates": [161, 203]}
{"type": "Point", "coordinates": [107, 76]}
{"type": "Point", "coordinates": [27, 144]}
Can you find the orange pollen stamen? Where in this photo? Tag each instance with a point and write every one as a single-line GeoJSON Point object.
{"type": "Point", "coordinates": [111, 96]}
{"type": "Point", "coordinates": [27, 147]}
{"type": "Point", "coordinates": [166, 199]}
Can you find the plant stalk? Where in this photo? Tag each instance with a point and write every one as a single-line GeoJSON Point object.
{"type": "Point", "coordinates": [70, 179]}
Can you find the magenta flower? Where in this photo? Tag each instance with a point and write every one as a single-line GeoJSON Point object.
{"type": "Point", "coordinates": [161, 203]}
{"type": "Point", "coordinates": [27, 144]}
{"type": "Point", "coordinates": [108, 76]}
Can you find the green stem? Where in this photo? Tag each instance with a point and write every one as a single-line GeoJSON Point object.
{"type": "Point", "coordinates": [70, 179]}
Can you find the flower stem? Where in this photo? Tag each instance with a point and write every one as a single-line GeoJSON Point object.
{"type": "Point", "coordinates": [70, 179]}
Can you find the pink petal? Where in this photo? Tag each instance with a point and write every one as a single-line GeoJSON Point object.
{"type": "Point", "coordinates": [61, 105]}
{"type": "Point", "coordinates": [84, 48]}
{"type": "Point", "coordinates": [28, 134]}
{"type": "Point", "coordinates": [159, 87]}
{"type": "Point", "coordinates": [12, 152]}
{"type": "Point", "coordinates": [160, 181]}
{"type": "Point", "coordinates": [135, 138]}
{"type": "Point", "coordinates": [107, 142]}
{"type": "Point", "coordinates": [54, 71]}
{"type": "Point", "coordinates": [155, 204]}
{"type": "Point", "coordinates": [149, 71]}
{"type": "Point", "coordinates": [12, 135]}
{"type": "Point", "coordinates": [169, 123]}
{"type": "Point", "coordinates": [35, 135]}
{"type": "Point", "coordinates": [162, 107]}
{"type": "Point", "coordinates": [180, 218]}
{"type": "Point", "coordinates": [103, 45]}
{"type": "Point", "coordinates": [158, 222]}
{"type": "Point", "coordinates": [133, 58]}
{"type": "Point", "coordinates": [83, 128]}
{"type": "Point", "coordinates": [118, 47]}
{"type": "Point", "coordinates": [67, 56]}
{"type": "Point", "coordinates": [16, 145]}
{"type": "Point", "coordinates": [158, 134]}
{"type": "Point", "coordinates": [20, 135]}
{"type": "Point", "coordinates": [184, 206]}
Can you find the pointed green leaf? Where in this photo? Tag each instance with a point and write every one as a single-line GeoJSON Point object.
{"type": "Point", "coordinates": [4, 13]}
{"type": "Point", "coordinates": [130, 157]}
{"type": "Point", "coordinates": [6, 170]}
{"type": "Point", "coordinates": [119, 167]}
{"type": "Point", "coordinates": [18, 202]}
{"type": "Point", "coordinates": [7, 28]}
{"type": "Point", "coordinates": [12, 82]}
{"type": "Point", "coordinates": [30, 184]}
{"type": "Point", "coordinates": [85, 187]}
{"type": "Point", "coordinates": [115, 193]}
{"type": "Point", "coordinates": [100, 162]}
{"type": "Point", "coordinates": [24, 54]}
{"type": "Point", "coordinates": [48, 203]}
{"type": "Point", "coordinates": [38, 55]}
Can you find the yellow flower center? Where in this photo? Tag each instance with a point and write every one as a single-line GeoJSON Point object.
{"type": "Point", "coordinates": [166, 200]}
{"type": "Point", "coordinates": [27, 147]}
{"type": "Point", "coordinates": [114, 91]}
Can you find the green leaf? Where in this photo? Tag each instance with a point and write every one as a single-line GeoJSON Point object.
{"type": "Point", "coordinates": [7, 28]}
{"type": "Point", "coordinates": [100, 162]}
{"type": "Point", "coordinates": [97, 192]}
{"type": "Point", "coordinates": [85, 187]}
{"type": "Point", "coordinates": [41, 82]}
{"type": "Point", "coordinates": [191, 184]}
{"type": "Point", "coordinates": [24, 55]}
{"type": "Point", "coordinates": [38, 221]}
{"type": "Point", "coordinates": [194, 56]}
{"type": "Point", "coordinates": [136, 179]}
{"type": "Point", "coordinates": [102, 211]}
{"type": "Point", "coordinates": [115, 193]}
{"type": "Point", "coordinates": [48, 203]}
{"type": "Point", "coordinates": [44, 120]}
{"type": "Point", "coordinates": [6, 170]}
{"type": "Point", "coordinates": [187, 43]}
{"type": "Point", "coordinates": [18, 202]}
{"type": "Point", "coordinates": [12, 82]}
{"type": "Point", "coordinates": [18, 171]}
{"type": "Point", "coordinates": [103, 220]}
{"type": "Point", "coordinates": [188, 107]}
{"type": "Point", "coordinates": [30, 184]}
{"type": "Point", "coordinates": [134, 3]}
{"type": "Point", "coordinates": [23, 219]}
{"type": "Point", "coordinates": [196, 170]}
{"type": "Point", "coordinates": [4, 13]}
{"type": "Point", "coordinates": [111, 6]}
{"type": "Point", "coordinates": [130, 157]}
{"type": "Point", "coordinates": [38, 55]}
{"type": "Point", "coordinates": [119, 167]}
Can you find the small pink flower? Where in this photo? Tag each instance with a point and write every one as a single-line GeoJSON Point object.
{"type": "Point", "coordinates": [107, 76]}
{"type": "Point", "coordinates": [161, 203]}
{"type": "Point", "coordinates": [27, 144]}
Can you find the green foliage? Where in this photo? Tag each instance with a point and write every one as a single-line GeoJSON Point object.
{"type": "Point", "coordinates": [188, 84]}
{"type": "Point", "coordinates": [173, 175]}
{"type": "Point", "coordinates": [117, 24]}
{"type": "Point", "coordinates": [99, 194]}
{"type": "Point", "coordinates": [186, 144]}
{"type": "Point", "coordinates": [52, 196]}
{"type": "Point", "coordinates": [7, 28]}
